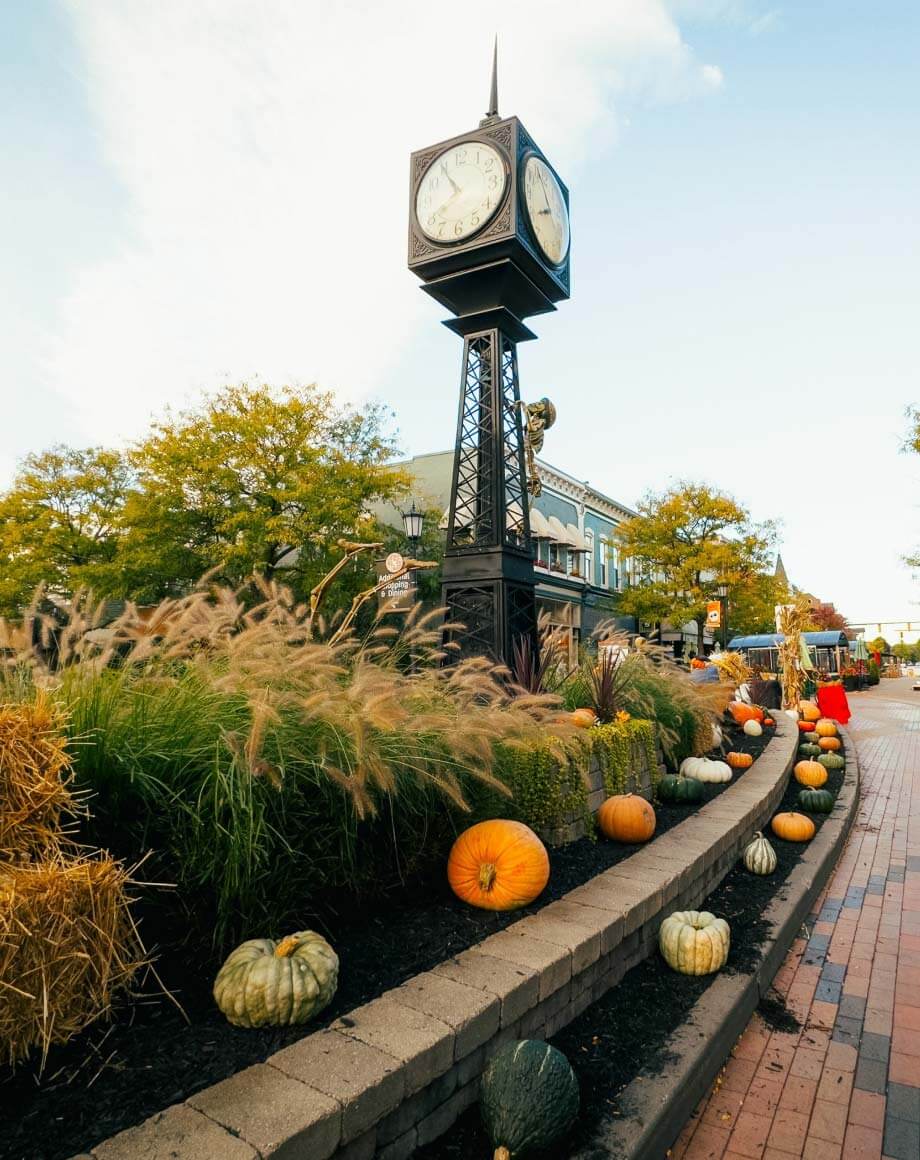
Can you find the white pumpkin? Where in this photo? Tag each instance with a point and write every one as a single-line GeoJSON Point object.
{"type": "Point", "coordinates": [706, 770]}
{"type": "Point", "coordinates": [793, 713]}
{"type": "Point", "coordinates": [759, 855]}
{"type": "Point", "coordinates": [694, 942]}
{"type": "Point", "coordinates": [753, 728]}
{"type": "Point", "coordinates": [716, 735]}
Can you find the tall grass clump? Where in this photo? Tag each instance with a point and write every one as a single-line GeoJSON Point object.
{"type": "Point", "coordinates": [264, 766]}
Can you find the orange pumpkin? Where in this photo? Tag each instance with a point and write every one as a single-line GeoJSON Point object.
{"type": "Point", "coordinates": [806, 727]}
{"type": "Point", "coordinates": [793, 827]}
{"type": "Point", "coordinates": [742, 712]}
{"type": "Point", "coordinates": [626, 817]}
{"type": "Point", "coordinates": [768, 721]}
{"type": "Point", "coordinates": [810, 773]}
{"type": "Point", "coordinates": [826, 727]}
{"type": "Point", "coordinates": [829, 744]}
{"type": "Point", "coordinates": [498, 865]}
{"type": "Point", "coordinates": [583, 718]}
{"type": "Point", "coordinates": [809, 711]}
{"type": "Point", "coordinates": [739, 760]}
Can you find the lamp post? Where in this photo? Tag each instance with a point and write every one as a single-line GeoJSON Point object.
{"type": "Point", "coordinates": [723, 600]}
{"type": "Point", "coordinates": [413, 519]}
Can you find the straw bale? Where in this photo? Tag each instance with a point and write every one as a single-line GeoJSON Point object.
{"type": "Point", "coordinates": [68, 944]}
{"type": "Point", "coordinates": [34, 771]}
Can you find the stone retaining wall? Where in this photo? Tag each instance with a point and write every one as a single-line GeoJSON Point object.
{"type": "Point", "coordinates": [394, 1074]}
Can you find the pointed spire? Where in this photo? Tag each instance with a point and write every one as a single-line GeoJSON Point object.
{"type": "Point", "coordinates": [492, 114]}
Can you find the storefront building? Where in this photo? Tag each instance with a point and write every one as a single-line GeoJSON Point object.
{"type": "Point", "coordinates": [577, 563]}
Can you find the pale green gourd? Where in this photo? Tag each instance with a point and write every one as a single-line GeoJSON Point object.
{"type": "Point", "coordinates": [694, 942]}
{"type": "Point", "coordinates": [264, 983]}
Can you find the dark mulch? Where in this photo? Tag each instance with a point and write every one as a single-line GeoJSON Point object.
{"type": "Point", "coordinates": [116, 1075]}
{"type": "Point", "coordinates": [626, 1032]}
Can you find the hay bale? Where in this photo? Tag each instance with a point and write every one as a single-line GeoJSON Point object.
{"type": "Point", "coordinates": [34, 771]}
{"type": "Point", "coordinates": [68, 944]}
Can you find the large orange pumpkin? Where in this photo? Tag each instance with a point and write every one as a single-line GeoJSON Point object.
{"type": "Point", "coordinates": [806, 727]}
{"type": "Point", "coordinates": [583, 718]}
{"type": "Point", "coordinates": [809, 710]}
{"type": "Point", "coordinates": [810, 773]}
{"type": "Point", "coordinates": [742, 712]}
{"type": "Point", "coordinates": [829, 744]}
{"type": "Point", "coordinates": [793, 827]}
{"type": "Point", "coordinates": [739, 760]}
{"type": "Point", "coordinates": [626, 817]}
{"type": "Point", "coordinates": [498, 865]}
{"type": "Point", "coordinates": [825, 727]}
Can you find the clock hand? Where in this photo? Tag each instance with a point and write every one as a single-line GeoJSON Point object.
{"type": "Point", "coordinates": [453, 183]}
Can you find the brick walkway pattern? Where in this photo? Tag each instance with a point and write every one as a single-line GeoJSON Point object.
{"type": "Point", "coordinates": [847, 1084]}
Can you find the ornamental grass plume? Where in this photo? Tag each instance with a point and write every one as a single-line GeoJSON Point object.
{"type": "Point", "coordinates": [68, 945]}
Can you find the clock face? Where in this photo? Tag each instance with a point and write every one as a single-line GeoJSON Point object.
{"type": "Point", "coordinates": [461, 190]}
{"type": "Point", "coordinates": [546, 209]}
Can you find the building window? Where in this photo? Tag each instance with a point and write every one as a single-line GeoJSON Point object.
{"type": "Point", "coordinates": [589, 557]}
{"type": "Point", "coordinates": [602, 563]}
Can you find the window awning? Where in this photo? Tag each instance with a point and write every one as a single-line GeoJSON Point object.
{"type": "Point", "coordinates": [579, 542]}
{"type": "Point", "coordinates": [539, 526]}
{"type": "Point", "coordinates": [558, 531]}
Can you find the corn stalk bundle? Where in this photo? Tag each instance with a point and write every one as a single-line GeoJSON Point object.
{"type": "Point", "coordinates": [34, 770]}
{"type": "Point", "coordinates": [792, 621]}
{"type": "Point", "coordinates": [68, 944]}
{"type": "Point", "coordinates": [732, 667]}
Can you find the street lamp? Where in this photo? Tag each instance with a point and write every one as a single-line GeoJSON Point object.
{"type": "Point", "coordinates": [723, 599]}
{"type": "Point", "coordinates": [412, 523]}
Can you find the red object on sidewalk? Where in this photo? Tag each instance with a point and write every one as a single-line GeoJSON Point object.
{"type": "Point", "coordinates": [833, 703]}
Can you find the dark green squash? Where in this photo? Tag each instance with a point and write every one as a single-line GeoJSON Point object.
{"type": "Point", "coordinates": [809, 750]}
{"type": "Point", "coordinates": [816, 801]}
{"type": "Point", "coordinates": [832, 761]}
{"type": "Point", "coordinates": [679, 789]}
{"type": "Point", "coordinates": [528, 1098]}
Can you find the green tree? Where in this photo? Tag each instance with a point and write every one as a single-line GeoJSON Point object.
{"type": "Point", "coordinates": [60, 521]}
{"type": "Point", "coordinates": [912, 443]}
{"type": "Point", "coordinates": [234, 485]}
{"type": "Point", "coordinates": [879, 645]}
{"type": "Point", "coordinates": [684, 541]}
{"type": "Point", "coordinates": [752, 605]}
{"type": "Point", "coordinates": [910, 653]}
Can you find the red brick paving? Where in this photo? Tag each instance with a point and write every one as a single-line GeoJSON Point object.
{"type": "Point", "coordinates": [847, 1083]}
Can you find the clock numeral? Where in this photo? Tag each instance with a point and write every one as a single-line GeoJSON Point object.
{"type": "Point", "coordinates": [474, 219]}
{"type": "Point", "coordinates": [460, 157]}
{"type": "Point", "coordinates": [458, 229]}
{"type": "Point", "coordinates": [493, 181]}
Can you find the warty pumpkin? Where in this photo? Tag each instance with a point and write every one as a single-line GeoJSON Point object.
{"type": "Point", "coordinates": [694, 942]}
{"type": "Point", "coordinates": [810, 773]}
{"type": "Point", "coordinates": [583, 718]}
{"type": "Point", "coordinates": [759, 855]}
{"type": "Point", "coordinates": [498, 865]}
{"type": "Point", "coordinates": [793, 827]}
{"type": "Point", "coordinates": [809, 711]}
{"type": "Point", "coordinates": [825, 727]}
{"type": "Point", "coordinates": [528, 1098]}
{"type": "Point", "coordinates": [626, 817]}
{"type": "Point", "coordinates": [264, 983]}
{"type": "Point", "coordinates": [832, 761]}
{"type": "Point", "coordinates": [739, 760]}
{"type": "Point", "coordinates": [829, 744]}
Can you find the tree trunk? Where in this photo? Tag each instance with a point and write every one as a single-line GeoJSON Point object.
{"type": "Point", "coordinates": [700, 626]}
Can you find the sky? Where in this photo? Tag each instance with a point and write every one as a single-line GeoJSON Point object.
{"type": "Point", "coordinates": [196, 194]}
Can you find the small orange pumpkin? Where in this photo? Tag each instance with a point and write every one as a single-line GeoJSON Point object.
{"type": "Point", "coordinates": [583, 718]}
{"type": "Point", "coordinates": [810, 773]}
{"type": "Point", "coordinates": [739, 760]}
{"type": "Point", "coordinates": [626, 817]}
{"type": "Point", "coordinates": [498, 865]}
{"type": "Point", "coordinates": [809, 711]}
{"type": "Point", "coordinates": [829, 744]}
{"type": "Point", "coordinates": [768, 721]}
{"type": "Point", "coordinates": [826, 727]}
{"type": "Point", "coordinates": [793, 827]}
{"type": "Point", "coordinates": [806, 727]}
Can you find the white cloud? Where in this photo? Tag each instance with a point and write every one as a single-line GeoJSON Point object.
{"type": "Point", "coordinates": [712, 76]}
{"type": "Point", "coordinates": [263, 146]}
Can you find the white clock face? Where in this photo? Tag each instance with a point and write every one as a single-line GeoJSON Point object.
{"type": "Point", "coordinates": [546, 209]}
{"type": "Point", "coordinates": [460, 191]}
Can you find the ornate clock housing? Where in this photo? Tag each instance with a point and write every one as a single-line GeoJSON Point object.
{"type": "Point", "coordinates": [488, 225]}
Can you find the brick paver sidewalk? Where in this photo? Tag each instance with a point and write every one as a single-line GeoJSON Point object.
{"type": "Point", "coordinates": [848, 1083]}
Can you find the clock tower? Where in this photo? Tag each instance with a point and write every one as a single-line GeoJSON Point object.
{"type": "Point", "coordinates": [489, 237]}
